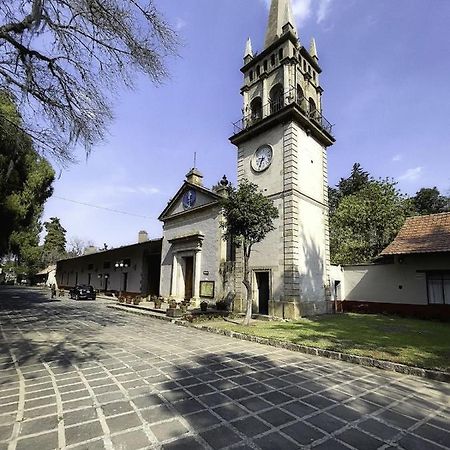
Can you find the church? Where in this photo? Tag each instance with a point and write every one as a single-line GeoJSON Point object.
{"type": "Point", "coordinates": [281, 143]}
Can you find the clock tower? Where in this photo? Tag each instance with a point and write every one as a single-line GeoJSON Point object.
{"type": "Point", "coordinates": [282, 140]}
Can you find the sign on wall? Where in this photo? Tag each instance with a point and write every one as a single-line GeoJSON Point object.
{"type": "Point", "coordinates": [207, 289]}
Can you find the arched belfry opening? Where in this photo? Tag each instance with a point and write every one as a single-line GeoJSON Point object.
{"type": "Point", "coordinates": [256, 108]}
{"type": "Point", "coordinates": [276, 98]}
{"type": "Point", "coordinates": [312, 107]}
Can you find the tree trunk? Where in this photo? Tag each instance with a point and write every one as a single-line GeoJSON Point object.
{"type": "Point", "coordinates": [248, 287]}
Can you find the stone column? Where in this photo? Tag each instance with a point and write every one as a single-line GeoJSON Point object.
{"type": "Point", "coordinates": [197, 276]}
{"type": "Point", "coordinates": [173, 286]}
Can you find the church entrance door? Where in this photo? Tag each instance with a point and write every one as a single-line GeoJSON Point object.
{"type": "Point", "coordinates": [262, 281]}
{"type": "Point", "coordinates": [188, 276]}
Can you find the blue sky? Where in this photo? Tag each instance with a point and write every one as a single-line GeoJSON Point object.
{"type": "Point", "coordinates": [386, 75]}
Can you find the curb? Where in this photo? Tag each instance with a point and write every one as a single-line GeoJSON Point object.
{"type": "Point", "coordinates": [365, 361]}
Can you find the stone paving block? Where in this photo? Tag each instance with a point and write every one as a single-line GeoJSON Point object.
{"type": "Point", "coordinates": [199, 389]}
{"type": "Point", "coordinates": [276, 397]}
{"type": "Point", "coordinates": [123, 422]}
{"type": "Point", "coordinates": [302, 433]}
{"type": "Point", "coordinates": [80, 416]}
{"type": "Point", "coordinates": [188, 406]}
{"type": "Point", "coordinates": [201, 420]}
{"type": "Point", "coordinates": [176, 395]}
{"type": "Point", "coordinates": [331, 444]}
{"type": "Point", "coordinates": [250, 426]}
{"type": "Point", "coordinates": [188, 443]}
{"type": "Point", "coordinates": [274, 441]}
{"type": "Point", "coordinates": [255, 404]}
{"type": "Point", "coordinates": [47, 441]}
{"type": "Point", "coordinates": [39, 425]}
{"type": "Point", "coordinates": [214, 399]}
{"type": "Point", "coordinates": [40, 412]}
{"type": "Point", "coordinates": [157, 414]}
{"type": "Point", "coordinates": [220, 437]}
{"type": "Point", "coordinates": [411, 442]}
{"type": "Point", "coordinates": [276, 417]}
{"type": "Point", "coordinates": [75, 395]}
{"type": "Point", "coordinates": [39, 394]}
{"type": "Point", "coordinates": [382, 431]}
{"type": "Point", "coordinates": [168, 430]}
{"type": "Point", "coordinates": [395, 419]}
{"type": "Point", "coordinates": [230, 411]}
{"type": "Point", "coordinates": [295, 392]}
{"type": "Point", "coordinates": [299, 409]}
{"type": "Point", "coordinates": [11, 407]}
{"type": "Point", "coordinates": [83, 432]}
{"type": "Point", "coordinates": [112, 409]}
{"type": "Point", "coordinates": [326, 422]}
{"type": "Point", "coordinates": [109, 397]}
{"type": "Point", "coordinates": [131, 440]}
{"type": "Point", "coordinates": [98, 444]}
{"type": "Point", "coordinates": [5, 431]}
{"type": "Point", "coordinates": [71, 387]}
{"type": "Point", "coordinates": [359, 439]}
{"type": "Point", "coordinates": [344, 413]}
{"type": "Point", "coordinates": [434, 434]}
{"type": "Point", "coordinates": [147, 401]}
{"type": "Point", "coordinates": [106, 389]}
{"type": "Point", "coordinates": [77, 404]}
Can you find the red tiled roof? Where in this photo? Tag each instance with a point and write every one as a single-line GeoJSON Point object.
{"type": "Point", "coordinates": [422, 234]}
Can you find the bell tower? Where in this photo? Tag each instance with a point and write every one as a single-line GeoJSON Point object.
{"type": "Point", "coordinates": [282, 140]}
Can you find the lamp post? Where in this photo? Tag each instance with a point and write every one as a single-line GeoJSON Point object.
{"type": "Point", "coordinates": [120, 265]}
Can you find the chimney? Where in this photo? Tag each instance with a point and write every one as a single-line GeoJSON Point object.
{"type": "Point", "coordinates": [142, 237]}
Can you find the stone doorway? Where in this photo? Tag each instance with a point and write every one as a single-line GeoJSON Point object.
{"type": "Point", "coordinates": [188, 277]}
{"type": "Point", "coordinates": [263, 292]}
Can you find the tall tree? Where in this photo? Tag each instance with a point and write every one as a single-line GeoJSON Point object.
{"type": "Point", "coordinates": [66, 59]}
{"type": "Point", "coordinates": [25, 184]}
{"type": "Point", "coordinates": [365, 222]}
{"type": "Point", "coordinates": [430, 201]}
{"type": "Point", "coordinates": [248, 217]}
{"type": "Point", "coordinates": [54, 241]}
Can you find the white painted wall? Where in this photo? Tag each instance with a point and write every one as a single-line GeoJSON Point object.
{"type": "Point", "coordinates": [403, 282]}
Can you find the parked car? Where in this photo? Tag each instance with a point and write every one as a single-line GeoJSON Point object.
{"type": "Point", "coordinates": [82, 291]}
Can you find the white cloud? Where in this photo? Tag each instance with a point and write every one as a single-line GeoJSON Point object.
{"type": "Point", "coordinates": [396, 158]}
{"type": "Point", "coordinates": [411, 174]}
{"type": "Point", "coordinates": [180, 23]}
{"type": "Point", "coordinates": [305, 9]}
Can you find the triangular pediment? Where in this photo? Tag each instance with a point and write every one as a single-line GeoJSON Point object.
{"type": "Point", "coordinates": [189, 198]}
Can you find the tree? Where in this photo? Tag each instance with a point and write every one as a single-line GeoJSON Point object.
{"type": "Point", "coordinates": [347, 186]}
{"type": "Point", "coordinates": [248, 217]}
{"type": "Point", "coordinates": [430, 201]}
{"type": "Point", "coordinates": [365, 222]}
{"type": "Point", "coordinates": [25, 184]}
{"type": "Point", "coordinates": [77, 247]}
{"type": "Point", "coordinates": [63, 59]}
{"type": "Point", "coordinates": [55, 241]}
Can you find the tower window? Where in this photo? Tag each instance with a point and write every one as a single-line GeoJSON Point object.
{"type": "Point", "coordinates": [280, 54]}
{"type": "Point", "coordinates": [265, 66]}
{"type": "Point", "coordinates": [314, 76]}
{"type": "Point", "coordinates": [256, 109]}
{"type": "Point", "coordinates": [272, 60]}
{"type": "Point", "coordinates": [258, 71]}
{"type": "Point", "coordinates": [304, 66]}
{"type": "Point", "coordinates": [300, 97]}
{"type": "Point", "coordinates": [309, 68]}
{"type": "Point", "coordinates": [312, 108]}
{"type": "Point", "coordinates": [251, 75]}
{"type": "Point", "coordinates": [276, 98]}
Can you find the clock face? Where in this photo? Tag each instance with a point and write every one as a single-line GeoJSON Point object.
{"type": "Point", "coordinates": [189, 199]}
{"type": "Point", "coordinates": [262, 158]}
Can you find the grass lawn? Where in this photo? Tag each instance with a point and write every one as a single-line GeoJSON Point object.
{"type": "Point", "coordinates": [408, 341]}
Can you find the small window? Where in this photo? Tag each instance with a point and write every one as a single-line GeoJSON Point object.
{"type": "Point", "coordinates": [280, 54]}
{"type": "Point", "coordinates": [309, 69]}
{"type": "Point", "coordinates": [258, 71]}
{"type": "Point", "coordinates": [438, 287]}
{"type": "Point", "coordinates": [265, 66]}
{"type": "Point", "coordinates": [272, 60]}
{"type": "Point", "coordinates": [106, 265]}
{"type": "Point", "coordinates": [251, 75]}
{"type": "Point", "coordinates": [314, 76]}
{"type": "Point", "coordinates": [304, 66]}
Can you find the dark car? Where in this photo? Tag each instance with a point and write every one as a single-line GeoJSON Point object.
{"type": "Point", "coordinates": [82, 291]}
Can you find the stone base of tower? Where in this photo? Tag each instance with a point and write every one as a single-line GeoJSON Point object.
{"type": "Point", "coordinates": [291, 310]}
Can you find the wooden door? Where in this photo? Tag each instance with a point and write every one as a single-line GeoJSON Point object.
{"type": "Point", "coordinates": [188, 277]}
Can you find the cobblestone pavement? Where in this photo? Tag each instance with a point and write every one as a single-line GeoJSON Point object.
{"type": "Point", "coordinates": [81, 376]}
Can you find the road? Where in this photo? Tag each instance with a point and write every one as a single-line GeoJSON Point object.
{"type": "Point", "coordinates": [79, 375]}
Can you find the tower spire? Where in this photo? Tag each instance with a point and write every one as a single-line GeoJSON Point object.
{"type": "Point", "coordinates": [281, 19]}
{"type": "Point", "coordinates": [248, 54]}
{"type": "Point", "coordinates": [313, 49]}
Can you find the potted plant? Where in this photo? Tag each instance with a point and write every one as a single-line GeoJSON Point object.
{"type": "Point", "coordinates": [203, 306]}
{"type": "Point", "coordinates": [158, 302]}
{"type": "Point", "coordinates": [128, 300]}
{"type": "Point", "coordinates": [136, 300]}
{"type": "Point", "coordinates": [121, 299]}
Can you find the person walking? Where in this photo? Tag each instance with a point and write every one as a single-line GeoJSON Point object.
{"type": "Point", "coordinates": [53, 289]}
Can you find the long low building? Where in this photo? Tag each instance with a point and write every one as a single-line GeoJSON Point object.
{"type": "Point", "coordinates": [411, 277]}
{"type": "Point", "coordinates": [132, 269]}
